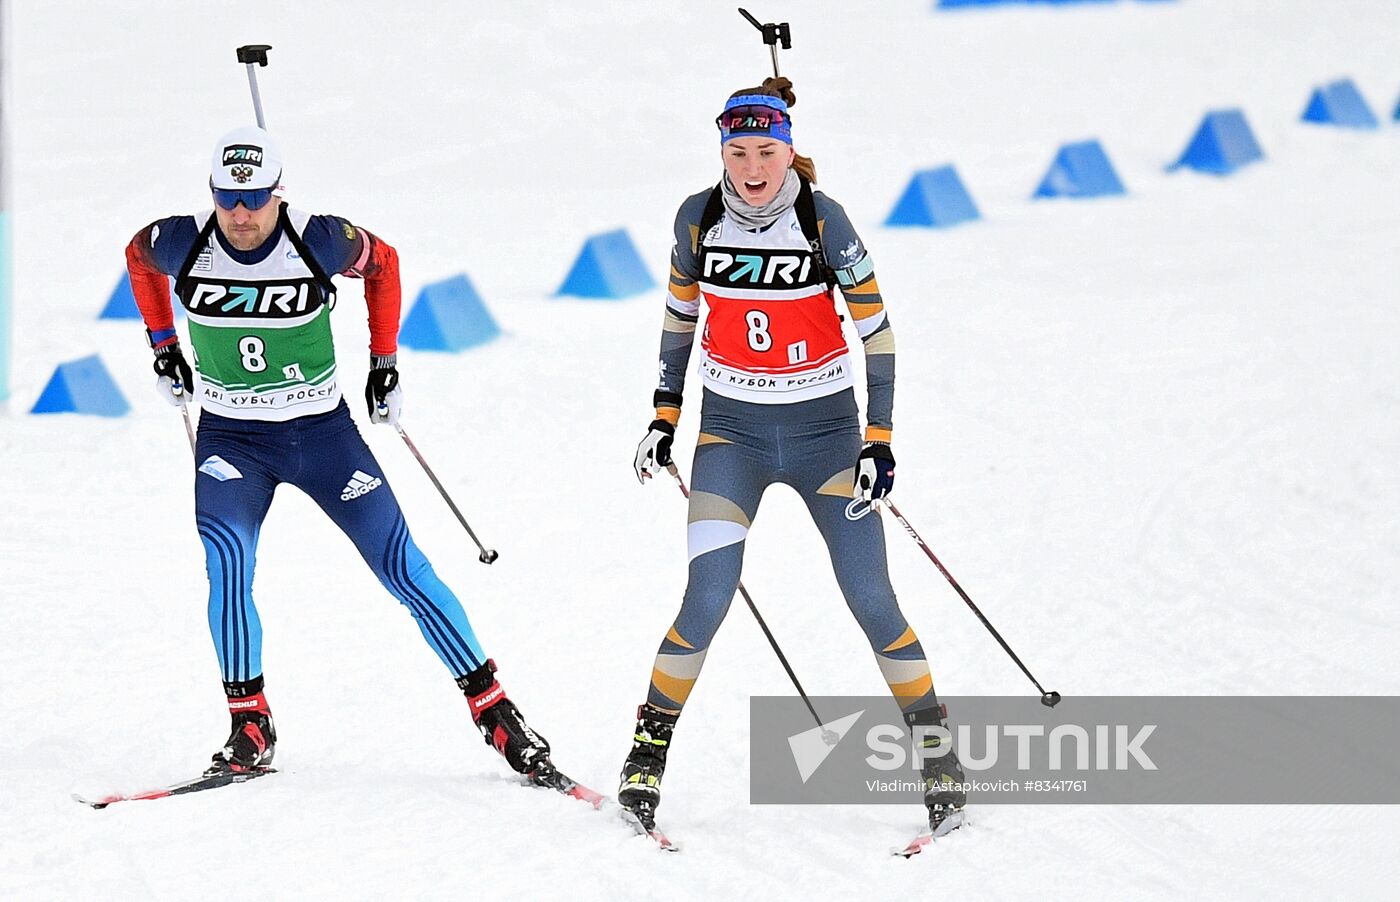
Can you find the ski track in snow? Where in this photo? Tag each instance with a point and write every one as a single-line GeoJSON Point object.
{"type": "Point", "coordinates": [1154, 437]}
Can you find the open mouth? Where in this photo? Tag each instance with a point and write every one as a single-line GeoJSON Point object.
{"type": "Point", "coordinates": [755, 187]}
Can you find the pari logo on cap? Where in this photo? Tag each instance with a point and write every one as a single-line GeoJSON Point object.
{"type": "Point", "coordinates": [243, 153]}
{"type": "Point", "coordinates": [246, 157]}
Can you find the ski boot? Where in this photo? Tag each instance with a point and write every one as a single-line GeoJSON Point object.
{"type": "Point", "coordinates": [503, 727]}
{"type": "Point", "coordinates": [640, 791]}
{"type": "Point", "coordinates": [944, 782]}
{"type": "Point", "coordinates": [253, 739]}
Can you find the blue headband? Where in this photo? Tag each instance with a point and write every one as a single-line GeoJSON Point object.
{"type": "Point", "coordinates": [752, 115]}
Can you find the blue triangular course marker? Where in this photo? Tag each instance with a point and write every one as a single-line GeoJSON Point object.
{"type": "Point", "coordinates": [1221, 145]}
{"type": "Point", "coordinates": [1080, 170]}
{"type": "Point", "coordinates": [608, 267]}
{"type": "Point", "coordinates": [121, 303]}
{"type": "Point", "coordinates": [1341, 104]}
{"type": "Point", "coordinates": [934, 198]}
{"type": "Point", "coordinates": [82, 386]}
{"type": "Point", "coordinates": [448, 316]}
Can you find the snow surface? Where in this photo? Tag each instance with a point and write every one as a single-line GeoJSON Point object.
{"type": "Point", "coordinates": [1155, 437]}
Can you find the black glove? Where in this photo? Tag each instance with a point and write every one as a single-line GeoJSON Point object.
{"type": "Point", "coordinates": [654, 453]}
{"type": "Point", "coordinates": [874, 472]}
{"type": "Point", "coordinates": [175, 379]}
{"type": "Point", "coordinates": [382, 393]}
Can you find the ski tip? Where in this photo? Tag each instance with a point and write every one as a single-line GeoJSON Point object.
{"type": "Point", "coordinates": [98, 806]}
{"type": "Point", "coordinates": [926, 836]}
{"type": "Point", "coordinates": [554, 779]}
{"type": "Point", "coordinates": [584, 794]}
{"type": "Point", "coordinates": [914, 847]}
{"type": "Point", "coordinates": [648, 830]}
{"type": "Point", "coordinates": [663, 842]}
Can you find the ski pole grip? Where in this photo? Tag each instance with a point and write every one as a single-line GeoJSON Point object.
{"type": "Point", "coordinates": [250, 54]}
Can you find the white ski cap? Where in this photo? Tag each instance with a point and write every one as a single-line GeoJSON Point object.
{"type": "Point", "coordinates": [246, 157]}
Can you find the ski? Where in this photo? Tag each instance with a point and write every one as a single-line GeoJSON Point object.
{"type": "Point", "coordinates": [550, 778]}
{"type": "Point", "coordinates": [198, 784]}
{"type": "Point", "coordinates": [946, 824]}
{"type": "Point", "coordinates": [644, 823]}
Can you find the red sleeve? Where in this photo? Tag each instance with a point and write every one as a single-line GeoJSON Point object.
{"type": "Point", "coordinates": [379, 267]}
{"type": "Point", "coordinates": [151, 289]}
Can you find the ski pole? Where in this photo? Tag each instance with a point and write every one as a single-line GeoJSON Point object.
{"type": "Point", "coordinates": [488, 555]}
{"type": "Point", "coordinates": [828, 736]}
{"type": "Point", "coordinates": [773, 32]}
{"type": "Point", "coordinates": [253, 55]}
{"type": "Point", "coordinates": [1048, 699]}
{"type": "Point", "coordinates": [189, 426]}
{"type": "Point", "coordinates": [177, 388]}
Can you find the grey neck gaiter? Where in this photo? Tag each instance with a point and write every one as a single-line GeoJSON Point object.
{"type": "Point", "coordinates": [747, 216]}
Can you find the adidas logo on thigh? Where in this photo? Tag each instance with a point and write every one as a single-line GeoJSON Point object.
{"type": "Point", "coordinates": [361, 483]}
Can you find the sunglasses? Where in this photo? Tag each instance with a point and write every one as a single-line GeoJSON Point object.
{"type": "Point", "coordinates": [752, 118]}
{"type": "Point", "coordinates": [252, 198]}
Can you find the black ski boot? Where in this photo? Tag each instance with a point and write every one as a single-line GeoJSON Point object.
{"type": "Point", "coordinates": [944, 782]}
{"type": "Point", "coordinates": [640, 791]}
{"type": "Point", "coordinates": [502, 725]}
{"type": "Point", "coordinates": [253, 739]}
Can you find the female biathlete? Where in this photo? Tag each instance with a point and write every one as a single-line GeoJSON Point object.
{"type": "Point", "coordinates": [765, 251]}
